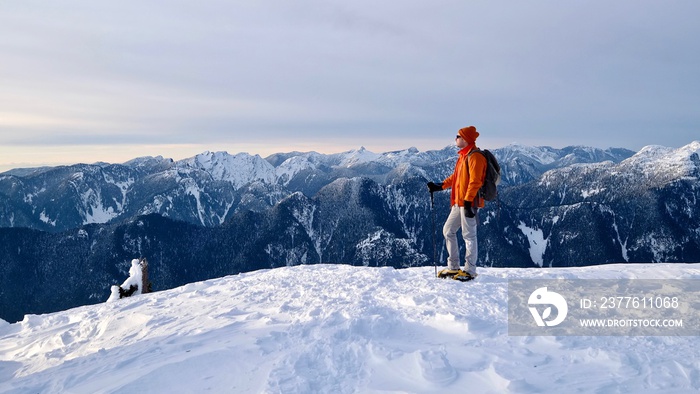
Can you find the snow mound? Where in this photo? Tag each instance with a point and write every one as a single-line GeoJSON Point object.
{"type": "Point", "coordinates": [135, 279]}
{"type": "Point", "coordinates": [336, 329]}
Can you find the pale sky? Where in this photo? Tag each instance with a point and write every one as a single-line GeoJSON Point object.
{"type": "Point", "coordinates": [86, 81]}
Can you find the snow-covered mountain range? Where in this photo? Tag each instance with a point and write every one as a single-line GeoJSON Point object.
{"type": "Point", "coordinates": [217, 214]}
{"type": "Point", "coordinates": [339, 329]}
{"type": "Point", "coordinates": [644, 208]}
{"type": "Point", "coordinates": [209, 188]}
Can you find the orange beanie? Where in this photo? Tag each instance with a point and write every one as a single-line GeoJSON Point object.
{"type": "Point", "coordinates": [469, 134]}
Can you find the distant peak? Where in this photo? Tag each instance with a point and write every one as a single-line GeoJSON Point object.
{"type": "Point", "coordinates": [693, 146]}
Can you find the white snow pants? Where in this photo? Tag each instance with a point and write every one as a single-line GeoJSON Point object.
{"type": "Point", "coordinates": [455, 220]}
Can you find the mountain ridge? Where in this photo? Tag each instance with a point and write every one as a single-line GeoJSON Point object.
{"type": "Point", "coordinates": [203, 189]}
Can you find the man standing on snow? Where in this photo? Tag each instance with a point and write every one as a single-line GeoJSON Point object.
{"type": "Point", "coordinates": [465, 181]}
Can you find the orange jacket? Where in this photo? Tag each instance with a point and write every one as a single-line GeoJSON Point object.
{"type": "Point", "coordinates": [466, 181]}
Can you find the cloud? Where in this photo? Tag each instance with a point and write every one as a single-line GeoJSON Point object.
{"type": "Point", "coordinates": [600, 73]}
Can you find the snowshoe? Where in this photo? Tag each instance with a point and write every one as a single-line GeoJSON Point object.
{"type": "Point", "coordinates": [463, 276]}
{"type": "Point", "coordinates": [447, 273]}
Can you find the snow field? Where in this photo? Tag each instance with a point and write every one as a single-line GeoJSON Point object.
{"type": "Point", "coordinates": [337, 329]}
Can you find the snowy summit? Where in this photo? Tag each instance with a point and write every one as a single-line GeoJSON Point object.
{"type": "Point", "coordinates": [337, 329]}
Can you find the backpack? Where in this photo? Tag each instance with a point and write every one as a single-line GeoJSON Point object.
{"type": "Point", "coordinates": [489, 190]}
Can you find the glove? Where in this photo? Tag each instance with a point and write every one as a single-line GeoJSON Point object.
{"type": "Point", "coordinates": [468, 211]}
{"type": "Point", "coordinates": [434, 187]}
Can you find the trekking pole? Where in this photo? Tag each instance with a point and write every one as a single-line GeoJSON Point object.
{"type": "Point", "coordinates": [432, 215]}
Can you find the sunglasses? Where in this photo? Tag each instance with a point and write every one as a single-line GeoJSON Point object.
{"type": "Point", "coordinates": [458, 136]}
